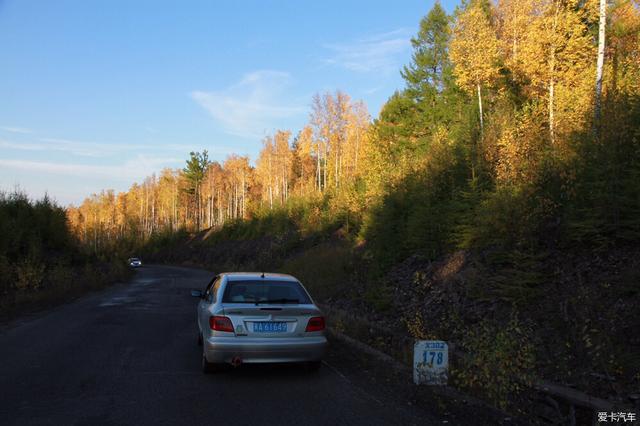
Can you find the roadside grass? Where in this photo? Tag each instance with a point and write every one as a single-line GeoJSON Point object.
{"type": "Point", "coordinates": [160, 240]}
{"type": "Point", "coordinates": [42, 262]}
{"type": "Point", "coordinates": [58, 285]}
{"type": "Point", "coordinates": [325, 269]}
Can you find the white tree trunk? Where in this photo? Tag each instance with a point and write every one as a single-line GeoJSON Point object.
{"type": "Point", "coordinates": [552, 82]}
{"type": "Point", "coordinates": [335, 165]}
{"type": "Point", "coordinates": [552, 130]}
{"type": "Point", "coordinates": [480, 106]}
{"type": "Point", "coordinates": [600, 65]}
{"type": "Point", "coordinates": [174, 200]}
{"type": "Point", "coordinates": [319, 153]}
{"type": "Point", "coordinates": [355, 167]}
{"type": "Point", "coordinates": [326, 158]}
{"type": "Point", "coordinates": [243, 194]}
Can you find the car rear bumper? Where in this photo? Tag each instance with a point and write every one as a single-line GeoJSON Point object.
{"type": "Point", "coordinates": [252, 350]}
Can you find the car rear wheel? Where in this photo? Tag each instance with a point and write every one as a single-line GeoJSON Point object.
{"type": "Point", "coordinates": [314, 365]}
{"type": "Point", "coordinates": [209, 367]}
{"type": "Point", "coordinates": [199, 339]}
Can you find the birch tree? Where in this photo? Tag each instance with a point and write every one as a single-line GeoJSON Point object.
{"type": "Point", "coordinates": [474, 52]}
{"type": "Point", "coordinates": [556, 56]}
{"type": "Point", "coordinates": [514, 18]}
{"type": "Point", "coordinates": [283, 164]}
{"type": "Point", "coordinates": [304, 163]}
{"type": "Point", "coordinates": [265, 170]}
{"type": "Point", "coordinates": [600, 62]}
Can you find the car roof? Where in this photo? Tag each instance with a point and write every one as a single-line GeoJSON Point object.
{"type": "Point", "coordinates": [268, 276]}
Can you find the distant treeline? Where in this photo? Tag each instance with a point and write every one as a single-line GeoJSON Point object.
{"type": "Point", "coordinates": [41, 260]}
{"type": "Point", "coordinates": [326, 159]}
{"type": "Point", "coordinates": [33, 234]}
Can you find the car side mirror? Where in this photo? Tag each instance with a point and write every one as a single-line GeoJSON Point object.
{"type": "Point", "coordinates": [196, 293]}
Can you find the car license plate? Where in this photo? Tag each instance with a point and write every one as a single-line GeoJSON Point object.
{"type": "Point", "coordinates": [269, 327]}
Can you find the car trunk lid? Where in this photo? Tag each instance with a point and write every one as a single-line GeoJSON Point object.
{"type": "Point", "coordinates": [270, 320]}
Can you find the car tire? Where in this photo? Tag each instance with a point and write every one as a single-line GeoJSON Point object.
{"type": "Point", "coordinates": [199, 339]}
{"type": "Point", "coordinates": [314, 365]}
{"type": "Point", "coordinates": [209, 367]}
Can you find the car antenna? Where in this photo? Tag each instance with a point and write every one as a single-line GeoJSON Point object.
{"type": "Point", "coordinates": [262, 275]}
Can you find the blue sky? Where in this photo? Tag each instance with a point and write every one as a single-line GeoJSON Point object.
{"type": "Point", "coordinates": [99, 94]}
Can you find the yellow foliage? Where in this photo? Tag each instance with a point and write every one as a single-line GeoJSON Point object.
{"type": "Point", "coordinates": [474, 48]}
{"type": "Point", "coordinates": [557, 56]}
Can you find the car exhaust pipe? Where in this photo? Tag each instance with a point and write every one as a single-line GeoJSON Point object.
{"type": "Point", "coordinates": [236, 361]}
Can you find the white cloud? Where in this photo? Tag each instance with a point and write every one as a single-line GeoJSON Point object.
{"type": "Point", "coordinates": [11, 129]}
{"type": "Point", "coordinates": [254, 105]}
{"type": "Point", "coordinates": [375, 53]}
{"type": "Point", "coordinates": [372, 90]}
{"type": "Point", "coordinates": [81, 149]}
{"type": "Point", "coordinates": [135, 169]}
{"type": "Point", "coordinates": [88, 149]}
{"type": "Point", "coordinates": [101, 149]}
{"type": "Point", "coordinates": [183, 148]}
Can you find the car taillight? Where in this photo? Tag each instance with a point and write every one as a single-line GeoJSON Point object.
{"type": "Point", "coordinates": [315, 324]}
{"type": "Point", "coordinates": [220, 323]}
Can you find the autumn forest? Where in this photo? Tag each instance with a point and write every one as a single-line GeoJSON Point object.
{"type": "Point", "coordinates": [517, 108]}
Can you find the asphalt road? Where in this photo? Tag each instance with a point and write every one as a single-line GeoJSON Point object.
{"type": "Point", "coordinates": [128, 355]}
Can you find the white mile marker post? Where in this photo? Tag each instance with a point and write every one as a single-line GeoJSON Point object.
{"type": "Point", "coordinates": [430, 362]}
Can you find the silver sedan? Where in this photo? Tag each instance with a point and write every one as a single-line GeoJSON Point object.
{"type": "Point", "coordinates": [258, 318]}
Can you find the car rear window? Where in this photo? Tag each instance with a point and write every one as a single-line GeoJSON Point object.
{"type": "Point", "coordinates": [265, 291]}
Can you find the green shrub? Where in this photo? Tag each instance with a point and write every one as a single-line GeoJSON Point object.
{"type": "Point", "coordinates": [379, 297]}
{"type": "Point", "coordinates": [60, 276]}
{"type": "Point", "coordinates": [30, 275]}
{"type": "Point", "coordinates": [498, 361]}
{"type": "Point", "coordinates": [7, 277]}
{"type": "Point", "coordinates": [325, 269]}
